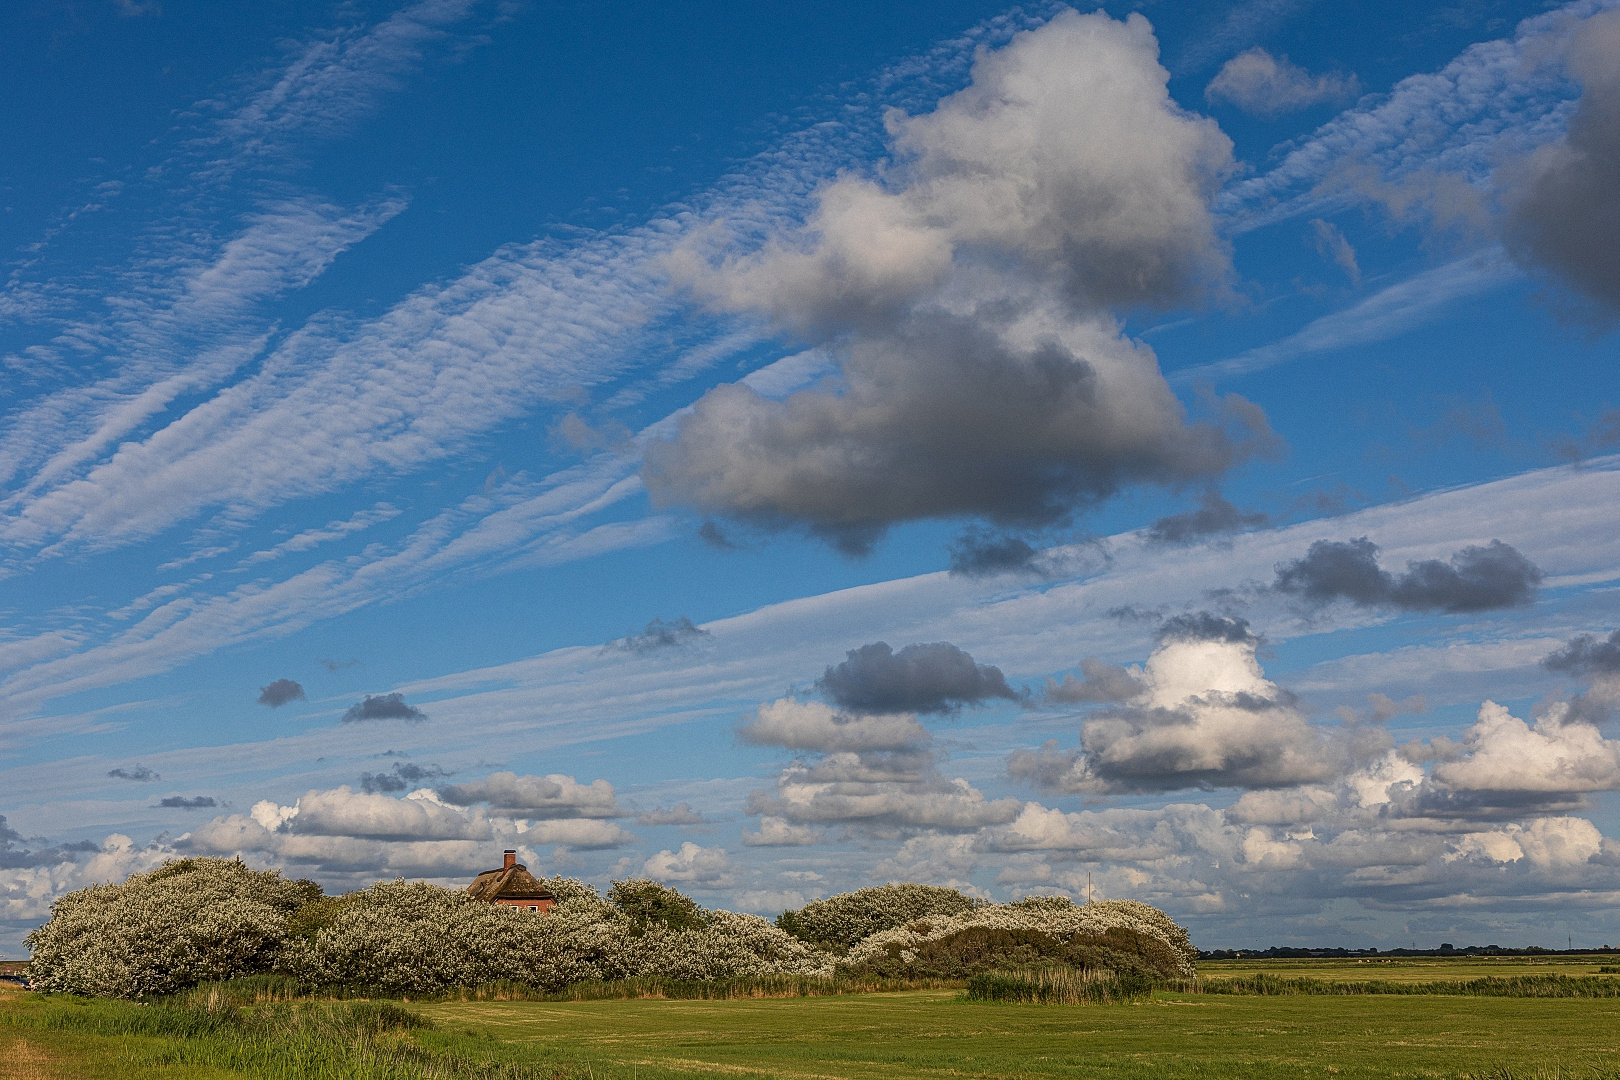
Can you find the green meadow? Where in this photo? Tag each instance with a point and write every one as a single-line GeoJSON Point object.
{"type": "Point", "coordinates": [922, 1033]}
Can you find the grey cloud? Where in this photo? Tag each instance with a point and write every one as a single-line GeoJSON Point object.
{"type": "Point", "coordinates": [1165, 749]}
{"type": "Point", "coordinates": [14, 855]}
{"type": "Point", "coordinates": [1475, 579]}
{"type": "Point", "coordinates": [1562, 214]}
{"type": "Point", "coordinates": [551, 796]}
{"type": "Point", "coordinates": [1214, 517]}
{"type": "Point", "coordinates": [1587, 655]}
{"type": "Point", "coordinates": [978, 554]}
{"type": "Point", "coordinates": [930, 678]}
{"type": "Point", "coordinates": [140, 774]}
{"type": "Point", "coordinates": [1102, 683]}
{"type": "Point", "coordinates": [715, 537]}
{"type": "Point", "coordinates": [981, 375]}
{"type": "Point", "coordinates": [943, 419]}
{"type": "Point", "coordinates": [1204, 626]}
{"type": "Point", "coordinates": [280, 692]}
{"type": "Point", "coordinates": [1259, 83]}
{"type": "Point", "coordinates": [1383, 707]}
{"type": "Point", "coordinates": [680, 814]}
{"type": "Point", "coordinates": [1047, 769]}
{"type": "Point", "coordinates": [661, 635]}
{"type": "Point", "coordinates": [405, 774]}
{"type": "Point", "coordinates": [180, 802]}
{"type": "Point", "coordinates": [383, 707]}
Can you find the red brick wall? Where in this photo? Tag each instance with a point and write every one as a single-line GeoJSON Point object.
{"type": "Point", "coordinates": [543, 905]}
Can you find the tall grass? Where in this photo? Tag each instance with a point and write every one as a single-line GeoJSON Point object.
{"type": "Point", "coordinates": [1057, 986]}
{"type": "Point", "coordinates": [355, 1040]}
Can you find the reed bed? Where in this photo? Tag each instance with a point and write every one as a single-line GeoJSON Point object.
{"type": "Point", "coordinates": [1057, 986]}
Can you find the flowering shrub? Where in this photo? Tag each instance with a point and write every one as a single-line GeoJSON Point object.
{"type": "Point", "coordinates": [413, 938]}
{"type": "Point", "coordinates": [1114, 933]}
{"type": "Point", "coordinates": [159, 932]}
{"type": "Point", "coordinates": [200, 920]}
{"type": "Point", "coordinates": [842, 921]}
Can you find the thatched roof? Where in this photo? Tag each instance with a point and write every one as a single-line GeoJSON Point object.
{"type": "Point", "coordinates": [509, 883]}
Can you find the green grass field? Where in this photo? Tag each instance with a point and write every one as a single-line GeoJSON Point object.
{"type": "Point", "coordinates": [926, 1033]}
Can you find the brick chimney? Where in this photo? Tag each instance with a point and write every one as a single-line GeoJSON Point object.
{"type": "Point", "coordinates": [511, 860]}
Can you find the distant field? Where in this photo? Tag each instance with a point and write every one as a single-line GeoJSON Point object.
{"type": "Point", "coordinates": [927, 1033]}
{"type": "Point", "coordinates": [1411, 969]}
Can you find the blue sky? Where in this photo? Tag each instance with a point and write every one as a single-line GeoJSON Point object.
{"type": "Point", "coordinates": [441, 427]}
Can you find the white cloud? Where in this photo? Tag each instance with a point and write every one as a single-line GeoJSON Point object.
{"type": "Point", "coordinates": [1259, 83]}
{"type": "Point", "coordinates": [779, 832]}
{"type": "Point", "coordinates": [707, 868]}
{"type": "Point", "coordinates": [334, 530]}
{"type": "Point", "coordinates": [1206, 716]}
{"type": "Point", "coordinates": [1559, 755]}
{"type": "Point", "coordinates": [552, 796]}
{"type": "Point", "coordinates": [812, 725]}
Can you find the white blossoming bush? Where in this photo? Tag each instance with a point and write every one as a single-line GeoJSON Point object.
{"type": "Point", "coordinates": [412, 938]}
{"type": "Point", "coordinates": [185, 922]}
{"type": "Point", "coordinates": [843, 920]}
{"type": "Point", "coordinates": [201, 920]}
{"type": "Point", "coordinates": [1115, 934]}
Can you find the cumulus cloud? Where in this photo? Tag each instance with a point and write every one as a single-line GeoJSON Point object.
{"type": "Point", "coordinates": [1204, 715]}
{"type": "Point", "coordinates": [1474, 579]}
{"type": "Point", "coordinates": [932, 678]}
{"type": "Point", "coordinates": [280, 692]}
{"type": "Point", "coordinates": [659, 634]}
{"type": "Point", "coordinates": [968, 289]}
{"type": "Point", "coordinates": [140, 774]}
{"type": "Point", "coordinates": [680, 814]}
{"type": "Point", "coordinates": [383, 707]}
{"type": "Point", "coordinates": [1266, 85]}
{"type": "Point", "coordinates": [551, 796]}
{"type": "Point", "coordinates": [1561, 213]}
{"type": "Point", "coordinates": [692, 865]}
{"type": "Point", "coordinates": [366, 834]}
{"type": "Point", "coordinates": [875, 771]}
{"type": "Point", "coordinates": [1501, 761]}
{"type": "Point", "coordinates": [183, 802]}
{"type": "Point", "coordinates": [1102, 682]}
{"type": "Point", "coordinates": [779, 832]}
{"type": "Point", "coordinates": [404, 775]}
{"type": "Point", "coordinates": [344, 812]}
{"type": "Point", "coordinates": [1215, 516]}
{"type": "Point", "coordinates": [812, 725]}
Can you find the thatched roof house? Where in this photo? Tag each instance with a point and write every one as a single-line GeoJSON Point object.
{"type": "Point", "coordinates": [512, 886]}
